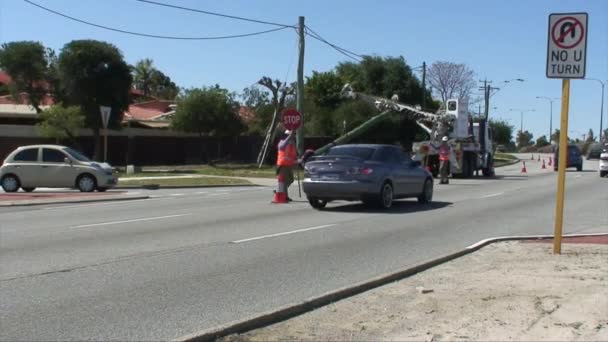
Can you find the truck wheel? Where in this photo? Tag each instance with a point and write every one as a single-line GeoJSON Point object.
{"type": "Point", "coordinates": [603, 174]}
{"type": "Point", "coordinates": [489, 171]}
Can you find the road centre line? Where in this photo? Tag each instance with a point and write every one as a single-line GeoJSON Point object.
{"type": "Point", "coordinates": [284, 233]}
{"type": "Point", "coordinates": [493, 195]}
{"type": "Point", "coordinates": [128, 221]}
{"type": "Point", "coordinates": [177, 195]}
{"type": "Point", "coordinates": [105, 203]}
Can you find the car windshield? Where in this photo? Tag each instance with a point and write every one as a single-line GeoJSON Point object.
{"type": "Point", "coordinates": [364, 153]}
{"type": "Point", "coordinates": [77, 155]}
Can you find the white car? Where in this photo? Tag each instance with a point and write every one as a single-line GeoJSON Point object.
{"type": "Point", "coordinates": [603, 168]}
{"type": "Point", "coordinates": [53, 166]}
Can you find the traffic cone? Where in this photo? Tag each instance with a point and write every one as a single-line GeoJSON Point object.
{"type": "Point", "coordinates": [550, 161]}
{"type": "Point", "coordinates": [523, 167]}
{"type": "Point", "coordinates": [538, 157]}
{"type": "Point", "coordinates": [543, 166]}
{"type": "Point", "coordinates": [279, 195]}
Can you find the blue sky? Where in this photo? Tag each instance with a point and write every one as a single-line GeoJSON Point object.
{"type": "Point", "coordinates": [499, 40]}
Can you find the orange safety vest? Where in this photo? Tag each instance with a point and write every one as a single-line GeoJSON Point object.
{"type": "Point", "coordinates": [444, 152]}
{"type": "Point", "coordinates": [288, 156]}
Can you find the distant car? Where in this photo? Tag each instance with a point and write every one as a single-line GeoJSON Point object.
{"type": "Point", "coordinates": [53, 166]}
{"type": "Point", "coordinates": [374, 174]}
{"type": "Point", "coordinates": [594, 151]}
{"type": "Point", "coordinates": [575, 158]}
{"type": "Point", "coordinates": [603, 167]}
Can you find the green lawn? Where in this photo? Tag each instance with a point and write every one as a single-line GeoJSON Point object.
{"type": "Point", "coordinates": [227, 170]}
{"type": "Point", "coordinates": [185, 182]}
{"type": "Point", "coordinates": [505, 156]}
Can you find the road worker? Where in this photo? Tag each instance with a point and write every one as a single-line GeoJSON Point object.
{"type": "Point", "coordinates": [444, 160]}
{"type": "Point", "coordinates": [287, 158]}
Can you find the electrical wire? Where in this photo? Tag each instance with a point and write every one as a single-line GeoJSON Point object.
{"type": "Point", "coordinates": [212, 13]}
{"type": "Point", "coordinates": [152, 35]}
{"type": "Point", "coordinates": [310, 32]}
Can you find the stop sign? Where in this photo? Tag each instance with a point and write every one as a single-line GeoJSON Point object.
{"type": "Point", "coordinates": [291, 118]}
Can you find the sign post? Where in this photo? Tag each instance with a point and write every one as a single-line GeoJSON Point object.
{"type": "Point", "coordinates": [291, 119]}
{"type": "Point", "coordinates": [566, 59]}
{"type": "Point", "coordinates": [105, 119]}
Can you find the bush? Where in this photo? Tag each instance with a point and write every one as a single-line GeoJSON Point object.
{"type": "Point", "coordinates": [527, 149]}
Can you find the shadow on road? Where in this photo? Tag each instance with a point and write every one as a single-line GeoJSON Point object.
{"type": "Point", "coordinates": [399, 207]}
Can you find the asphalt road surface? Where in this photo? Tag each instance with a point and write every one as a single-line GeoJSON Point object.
{"type": "Point", "coordinates": [187, 260]}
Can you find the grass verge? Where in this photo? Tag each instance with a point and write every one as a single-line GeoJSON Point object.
{"type": "Point", "coordinates": [226, 170]}
{"type": "Point", "coordinates": [185, 182]}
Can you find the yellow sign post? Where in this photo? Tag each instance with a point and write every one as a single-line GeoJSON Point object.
{"type": "Point", "coordinates": [561, 175]}
{"type": "Point", "coordinates": [566, 59]}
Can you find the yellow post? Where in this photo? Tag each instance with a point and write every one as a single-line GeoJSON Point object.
{"type": "Point", "coordinates": [561, 175]}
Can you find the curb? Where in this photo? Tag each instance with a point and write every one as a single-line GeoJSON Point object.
{"type": "Point", "coordinates": [286, 312]}
{"type": "Point", "coordinates": [157, 186]}
{"type": "Point", "coordinates": [511, 163]}
{"type": "Point", "coordinates": [29, 203]}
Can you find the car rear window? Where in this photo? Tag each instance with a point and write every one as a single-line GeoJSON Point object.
{"type": "Point", "coordinates": [52, 156]}
{"type": "Point", "coordinates": [364, 153]}
{"type": "Point", "coordinates": [28, 155]}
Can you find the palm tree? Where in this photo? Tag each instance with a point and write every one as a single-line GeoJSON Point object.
{"type": "Point", "coordinates": [143, 74]}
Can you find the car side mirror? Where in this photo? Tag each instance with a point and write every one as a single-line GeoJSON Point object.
{"type": "Point", "coordinates": [67, 160]}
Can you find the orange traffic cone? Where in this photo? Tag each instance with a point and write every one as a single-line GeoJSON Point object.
{"type": "Point", "coordinates": [550, 161]}
{"type": "Point", "coordinates": [523, 167]}
{"type": "Point", "coordinates": [279, 195]}
{"type": "Point", "coordinates": [543, 166]}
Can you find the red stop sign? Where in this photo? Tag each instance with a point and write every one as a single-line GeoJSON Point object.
{"type": "Point", "coordinates": [291, 118]}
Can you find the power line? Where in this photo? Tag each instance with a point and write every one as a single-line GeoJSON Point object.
{"type": "Point", "coordinates": [310, 32]}
{"type": "Point", "coordinates": [152, 35]}
{"type": "Point", "coordinates": [213, 13]}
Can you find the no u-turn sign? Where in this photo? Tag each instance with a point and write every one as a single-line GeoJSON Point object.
{"type": "Point", "coordinates": [567, 45]}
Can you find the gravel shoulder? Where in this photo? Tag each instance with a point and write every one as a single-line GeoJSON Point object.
{"type": "Point", "coordinates": [511, 291]}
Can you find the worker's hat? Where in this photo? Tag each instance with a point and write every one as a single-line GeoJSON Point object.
{"type": "Point", "coordinates": [287, 132]}
{"type": "Point", "coordinates": [444, 138]}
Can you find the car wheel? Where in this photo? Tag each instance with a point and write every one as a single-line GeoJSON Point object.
{"type": "Point", "coordinates": [28, 189]}
{"type": "Point", "coordinates": [579, 167]}
{"type": "Point", "coordinates": [10, 183]}
{"type": "Point", "coordinates": [86, 183]}
{"type": "Point", "coordinates": [317, 203]}
{"type": "Point", "coordinates": [603, 174]}
{"type": "Point", "coordinates": [386, 196]}
{"type": "Point", "coordinates": [427, 192]}
{"type": "Point", "coordinates": [102, 189]}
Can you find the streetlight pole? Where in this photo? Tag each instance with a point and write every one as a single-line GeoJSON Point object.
{"type": "Point", "coordinates": [602, 106]}
{"type": "Point", "coordinates": [521, 123]}
{"type": "Point", "coordinates": [550, 99]}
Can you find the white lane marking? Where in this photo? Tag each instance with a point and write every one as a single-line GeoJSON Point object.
{"type": "Point", "coordinates": [177, 195]}
{"type": "Point", "coordinates": [223, 190]}
{"type": "Point", "coordinates": [578, 176]}
{"type": "Point", "coordinates": [128, 221]}
{"type": "Point", "coordinates": [202, 192]}
{"type": "Point", "coordinates": [284, 233]}
{"type": "Point", "coordinates": [218, 194]}
{"type": "Point", "coordinates": [493, 195]}
{"type": "Point", "coordinates": [106, 203]}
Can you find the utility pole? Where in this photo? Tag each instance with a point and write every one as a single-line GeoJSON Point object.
{"type": "Point", "coordinates": [423, 85]}
{"type": "Point", "coordinates": [486, 96]}
{"type": "Point", "coordinates": [300, 91]}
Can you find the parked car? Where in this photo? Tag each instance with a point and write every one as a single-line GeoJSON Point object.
{"type": "Point", "coordinates": [374, 174]}
{"type": "Point", "coordinates": [594, 151]}
{"type": "Point", "coordinates": [53, 166]}
{"type": "Point", "coordinates": [575, 158]}
{"type": "Point", "coordinates": [603, 165]}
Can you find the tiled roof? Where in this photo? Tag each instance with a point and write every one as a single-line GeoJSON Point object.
{"type": "Point", "coordinates": [246, 114]}
{"type": "Point", "coordinates": [8, 99]}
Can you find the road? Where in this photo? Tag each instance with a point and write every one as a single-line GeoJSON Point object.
{"type": "Point", "coordinates": [187, 260]}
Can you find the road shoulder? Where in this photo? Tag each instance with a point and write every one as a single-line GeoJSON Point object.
{"type": "Point", "coordinates": [505, 291]}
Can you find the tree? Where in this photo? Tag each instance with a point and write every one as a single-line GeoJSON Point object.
{"type": "Point", "coordinates": [451, 80]}
{"type": "Point", "coordinates": [258, 100]}
{"type": "Point", "coordinates": [502, 132]}
{"type": "Point", "coordinates": [605, 135]}
{"type": "Point", "coordinates": [27, 63]}
{"type": "Point", "coordinates": [542, 141]}
{"type": "Point", "coordinates": [524, 139]}
{"type": "Point", "coordinates": [207, 111]}
{"type": "Point", "coordinates": [142, 75]}
{"type": "Point", "coordinates": [324, 89]}
{"type": "Point", "coordinates": [590, 136]}
{"type": "Point", "coordinates": [555, 136]}
{"type": "Point", "coordinates": [93, 73]}
{"type": "Point", "coordinates": [60, 122]}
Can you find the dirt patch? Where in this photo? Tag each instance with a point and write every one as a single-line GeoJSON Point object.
{"type": "Point", "coordinates": [507, 291]}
